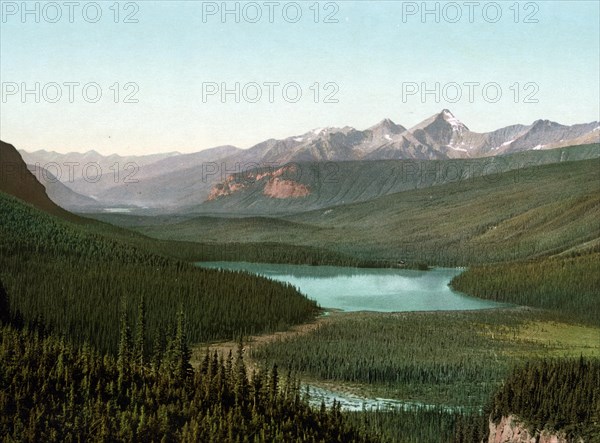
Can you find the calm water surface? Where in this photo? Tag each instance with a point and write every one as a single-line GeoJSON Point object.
{"type": "Point", "coordinates": [381, 290]}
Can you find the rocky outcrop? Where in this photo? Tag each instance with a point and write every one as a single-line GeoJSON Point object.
{"type": "Point", "coordinates": [275, 183]}
{"type": "Point", "coordinates": [510, 430]}
{"type": "Point", "coordinates": [279, 188]}
{"type": "Point", "coordinates": [228, 187]}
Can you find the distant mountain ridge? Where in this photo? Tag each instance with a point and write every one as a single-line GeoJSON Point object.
{"type": "Point", "coordinates": [299, 187]}
{"type": "Point", "coordinates": [91, 156]}
{"type": "Point", "coordinates": [59, 192]}
{"type": "Point", "coordinates": [105, 171]}
{"type": "Point", "coordinates": [173, 180]}
{"type": "Point", "coordinates": [441, 136]}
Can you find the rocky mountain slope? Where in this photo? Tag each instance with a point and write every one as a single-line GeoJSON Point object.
{"type": "Point", "coordinates": [62, 194]}
{"type": "Point", "coordinates": [441, 136]}
{"type": "Point", "coordinates": [306, 186]}
{"type": "Point", "coordinates": [542, 210]}
{"type": "Point", "coordinates": [174, 180]}
{"type": "Point", "coordinates": [88, 173]}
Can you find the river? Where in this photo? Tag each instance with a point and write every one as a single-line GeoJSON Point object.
{"type": "Point", "coordinates": [376, 290]}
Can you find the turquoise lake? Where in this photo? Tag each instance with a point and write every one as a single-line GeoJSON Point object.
{"type": "Point", "coordinates": [379, 290]}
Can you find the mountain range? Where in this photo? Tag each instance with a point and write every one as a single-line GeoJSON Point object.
{"type": "Point", "coordinates": [377, 210]}
{"type": "Point", "coordinates": [172, 181]}
{"type": "Point", "coordinates": [299, 187]}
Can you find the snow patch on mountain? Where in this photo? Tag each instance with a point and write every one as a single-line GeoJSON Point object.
{"type": "Point", "coordinates": [453, 121]}
{"type": "Point", "coordinates": [503, 144]}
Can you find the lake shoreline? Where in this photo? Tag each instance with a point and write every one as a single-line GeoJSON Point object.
{"type": "Point", "coordinates": [372, 290]}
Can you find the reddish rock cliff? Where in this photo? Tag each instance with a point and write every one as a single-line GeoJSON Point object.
{"type": "Point", "coordinates": [273, 184]}
{"type": "Point", "coordinates": [510, 430]}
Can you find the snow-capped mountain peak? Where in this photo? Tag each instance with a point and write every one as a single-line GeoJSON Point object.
{"type": "Point", "coordinates": [456, 124]}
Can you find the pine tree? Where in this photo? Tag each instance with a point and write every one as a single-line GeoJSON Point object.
{"type": "Point", "coordinates": [241, 380]}
{"type": "Point", "coordinates": [4, 306]}
{"type": "Point", "coordinates": [124, 352]}
{"type": "Point", "coordinates": [157, 352]}
{"type": "Point", "coordinates": [273, 384]}
{"type": "Point", "coordinates": [140, 334]}
{"type": "Point", "coordinates": [178, 352]}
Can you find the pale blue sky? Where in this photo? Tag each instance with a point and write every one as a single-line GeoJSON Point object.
{"type": "Point", "coordinates": [369, 54]}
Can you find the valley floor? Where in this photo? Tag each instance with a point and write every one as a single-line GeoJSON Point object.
{"type": "Point", "coordinates": [224, 348]}
{"type": "Point", "coordinates": [438, 358]}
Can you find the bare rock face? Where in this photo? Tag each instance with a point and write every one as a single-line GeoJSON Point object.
{"type": "Point", "coordinates": [229, 187]}
{"type": "Point", "coordinates": [275, 183]}
{"type": "Point", "coordinates": [279, 188]}
{"type": "Point", "coordinates": [510, 430]}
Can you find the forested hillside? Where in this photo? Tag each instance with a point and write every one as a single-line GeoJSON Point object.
{"type": "Point", "coordinates": [555, 395]}
{"type": "Point", "coordinates": [52, 392]}
{"type": "Point", "coordinates": [74, 281]}
{"type": "Point", "coordinates": [543, 211]}
{"type": "Point", "coordinates": [569, 285]}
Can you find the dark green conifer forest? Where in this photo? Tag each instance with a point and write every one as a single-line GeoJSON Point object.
{"type": "Point", "coordinates": [51, 391]}
{"type": "Point", "coordinates": [74, 281]}
{"type": "Point", "coordinates": [555, 395]}
{"type": "Point", "coordinates": [566, 284]}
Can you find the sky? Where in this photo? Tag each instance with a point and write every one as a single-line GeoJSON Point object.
{"type": "Point", "coordinates": [155, 76]}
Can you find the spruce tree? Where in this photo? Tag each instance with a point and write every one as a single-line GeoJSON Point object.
{"type": "Point", "coordinates": [140, 334]}
{"type": "Point", "coordinates": [4, 306]}
{"type": "Point", "coordinates": [241, 378]}
{"type": "Point", "coordinates": [124, 351]}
